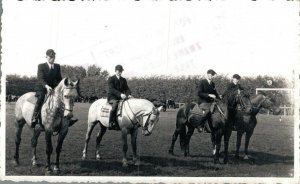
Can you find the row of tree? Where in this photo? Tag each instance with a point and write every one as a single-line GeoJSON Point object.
{"type": "Point", "coordinates": [93, 82]}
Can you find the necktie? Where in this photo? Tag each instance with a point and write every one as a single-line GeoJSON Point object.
{"type": "Point", "coordinates": [52, 67]}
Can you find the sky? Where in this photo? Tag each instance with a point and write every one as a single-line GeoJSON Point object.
{"type": "Point", "coordinates": [154, 37]}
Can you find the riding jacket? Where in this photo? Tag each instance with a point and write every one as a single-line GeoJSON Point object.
{"type": "Point", "coordinates": [48, 76]}
{"type": "Point", "coordinates": [204, 88]}
{"type": "Point", "coordinates": [116, 87]}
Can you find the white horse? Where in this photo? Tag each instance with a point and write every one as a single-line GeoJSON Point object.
{"type": "Point", "coordinates": [55, 116]}
{"type": "Point", "coordinates": [135, 113]}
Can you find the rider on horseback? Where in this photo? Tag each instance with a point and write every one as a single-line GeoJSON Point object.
{"type": "Point", "coordinates": [49, 77]}
{"type": "Point", "coordinates": [207, 92]}
{"type": "Point", "coordinates": [117, 90]}
{"type": "Point", "coordinates": [233, 89]}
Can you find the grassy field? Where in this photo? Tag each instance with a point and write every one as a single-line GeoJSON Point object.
{"type": "Point", "coordinates": [271, 150]}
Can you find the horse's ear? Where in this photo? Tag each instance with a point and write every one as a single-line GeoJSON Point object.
{"type": "Point", "coordinates": [159, 109]}
{"type": "Point", "coordinates": [66, 82]}
{"type": "Point", "coordinates": [76, 83]}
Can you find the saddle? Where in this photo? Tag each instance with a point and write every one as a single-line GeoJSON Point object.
{"type": "Point", "coordinates": [33, 99]}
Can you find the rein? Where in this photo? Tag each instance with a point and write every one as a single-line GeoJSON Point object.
{"type": "Point", "coordinates": [138, 121]}
{"type": "Point", "coordinates": [50, 97]}
{"type": "Point", "coordinates": [259, 105]}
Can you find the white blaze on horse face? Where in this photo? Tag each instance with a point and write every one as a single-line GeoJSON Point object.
{"type": "Point", "coordinates": [69, 95]}
{"type": "Point", "coordinates": [153, 119]}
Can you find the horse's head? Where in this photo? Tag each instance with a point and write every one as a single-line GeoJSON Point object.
{"type": "Point", "coordinates": [266, 102]}
{"type": "Point", "coordinates": [150, 120]}
{"type": "Point", "coordinates": [269, 103]}
{"type": "Point", "coordinates": [69, 92]}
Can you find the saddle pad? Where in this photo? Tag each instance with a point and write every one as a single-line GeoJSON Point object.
{"type": "Point", "coordinates": [105, 110]}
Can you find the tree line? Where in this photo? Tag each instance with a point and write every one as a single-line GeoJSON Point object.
{"type": "Point", "coordinates": [93, 83]}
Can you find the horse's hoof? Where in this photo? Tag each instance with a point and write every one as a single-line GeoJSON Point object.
{"type": "Point", "coordinates": [124, 163]}
{"type": "Point", "coordinates": [33, 163]}
{"type": "Point", "coordinates": [225, 161]}
{"type": "Point", "coordinates": [48, 172]}
{"type": "Point", "coordinates": [246, 157]}
{"type": "Point", "coordinates": [56, 170]}
{"type": "Point", "coordinates": [98, 157]}
{"type": "Point", "coordinates": [83, 157]}
{"type": "Point", "coordinates": [16, 163]}
{"type": "Point", "coordinates": [136, 162]}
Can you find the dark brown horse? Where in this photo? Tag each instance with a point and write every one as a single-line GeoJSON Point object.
{"type": "Point", "coordinates": [187, 118]}
{"type": "Point", "coordinates": [245, 122]}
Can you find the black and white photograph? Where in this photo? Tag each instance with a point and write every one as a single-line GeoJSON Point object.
{"type": "Point", "coordinates": [152, 91]}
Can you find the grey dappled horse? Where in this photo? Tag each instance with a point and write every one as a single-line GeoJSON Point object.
{"type": "Point", "coordinates": [246, 122]}
{"type": "Point", "coordinates": [55, 115]}
{"type": "Point", "coordinates": [135, 113]}
{"type": "Point", "coordinates": [191, 120]}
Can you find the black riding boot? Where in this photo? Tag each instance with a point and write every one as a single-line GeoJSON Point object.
{"type": "Point", "coordinates": [112, 121]}
{"type": "Point", "coordinates": [34, 119]}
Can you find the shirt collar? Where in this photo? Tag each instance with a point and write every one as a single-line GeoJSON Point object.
{"type": "Point", "coordinates": [209, 81]}
{"type": "Point", "coordinates": [50, 65]}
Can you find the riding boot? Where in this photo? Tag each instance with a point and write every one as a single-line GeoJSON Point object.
{"type": "Point", "coordinates": [35, 119]}
{"type": "Point", "coordinates": [112, 122]}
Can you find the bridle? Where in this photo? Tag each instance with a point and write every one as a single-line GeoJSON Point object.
{"type": "Point", "coordinates": [244, 105]}
{"type": "Point", "coordinates": [137, 119]}
{"type": "Point", "coordinates": [71, 100]}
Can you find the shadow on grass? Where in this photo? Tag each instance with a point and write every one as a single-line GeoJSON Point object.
{"type": "Point", "coordinates": [149, 166]}
{"type": "Point", "coordinates": [260, 158]}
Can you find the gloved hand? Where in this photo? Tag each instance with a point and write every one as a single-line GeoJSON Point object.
{"type": "Point", "coordinates": [123, 96]}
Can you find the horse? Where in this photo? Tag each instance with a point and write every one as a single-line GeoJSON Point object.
{"type": "Point", "coordinates": [55, 116]}
{"type": "Point", "coordinates": [170, 104]}
{"type": "Point", "coordinates": [246, 121]}
{"type": "Point", "coordinates": [135, 113]}
{"type": "Point", "coordinates": [187, 118]}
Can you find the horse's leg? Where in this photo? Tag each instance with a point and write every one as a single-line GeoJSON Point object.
{"type": "Point", "coordinates": [218, 136]}
{"type": "Point", "coordinates": [188, 138]}
{"type": "Point", "coordinates": [49, 150]}
{"type": "Point", "coordinates": [87, 138]}
{"type": "Point", "coordinates": [125, 146]}
{"type": "Point", "coordinates": [247, 140]}
{"type": "Point", "coordinates": [134, 134]}
{"type": "Point", "coordinates": [174, 138]}
{"type": "Point", "coordinates": [19, 126]}
{"type": "Point", "coordinates": [226, 143]}
{"type": "Point", "coordinates": [34, 141]}
{"type": "Point", "coordinates": [213, 141]}
{"type": "Point", "coordinates": [98, 140]}
{"type": "Point", "coordinates": [238, 142]}
{"type": "Point", "coordinates": [61, 136]}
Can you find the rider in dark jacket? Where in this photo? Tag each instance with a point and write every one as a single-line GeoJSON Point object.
{"type": "Point", "coordinates": [233, 89]}
{"type": "Point", "coordinates": [48, 76]}
{"type": "Point", "coordinates": [207, 91]}
{"type": "Point", "coordinates": [117, 90]}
